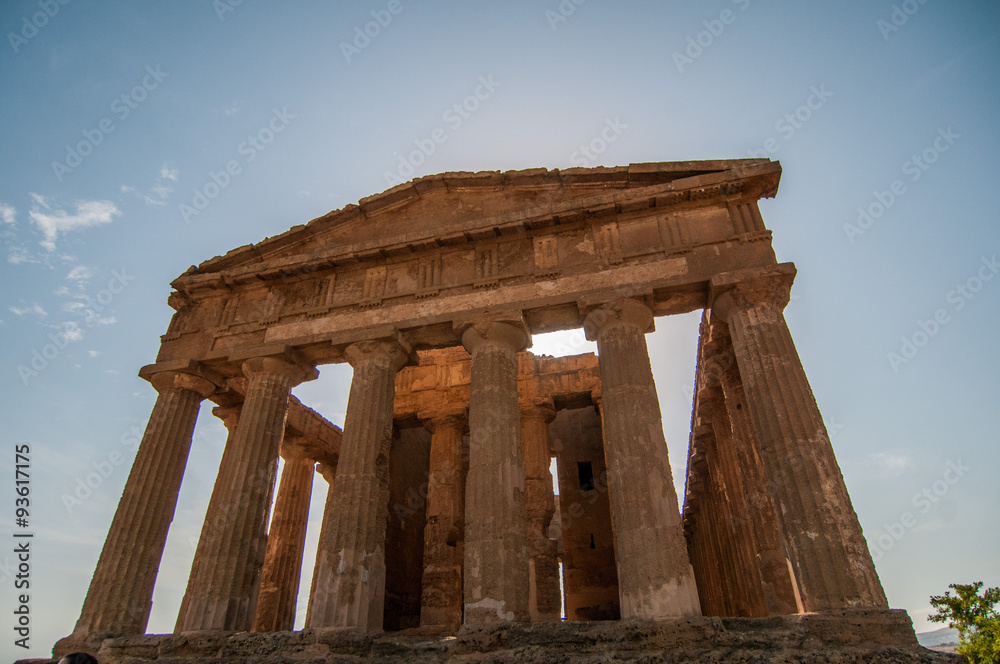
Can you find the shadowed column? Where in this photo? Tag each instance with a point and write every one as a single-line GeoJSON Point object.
{"type": "Point", "coordinates": [286, 541]}
{"type": "Point", "coordinates": [496, 555]}
{"type": "Point", "coordinates": [822, 536]}
{"type": "Point", "coordinates": [655, 578]}
{"type": "Point", "coordinates": [226, 572]}
{"type": "Point", "coordinates": [350, 590]}
{"type": "Point", "coordinates": [741, 575]}
{"type": "Point", "coordinates": [545, 599]}
{"type": "Point", "coordinates": [778, 587]}
{"type": "Point", "coordinates": [329, 473]}
{"type": "Point", "coordinates": [441, 596]}
{"type": "Point", "coordinates": [121, 592]}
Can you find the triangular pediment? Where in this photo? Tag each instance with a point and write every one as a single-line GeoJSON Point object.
{"type": "Point", "coordinates": [446, 208]}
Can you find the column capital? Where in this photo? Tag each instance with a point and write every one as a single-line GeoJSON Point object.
{"type": "Point", "coordinates": [230, 415]}
{"type": "Point", "coordinates": [717, 358]}
{"type": "Point", "coordinates": [434, 421]}
{"type": "Point", "coordinates": [703, 436]}
{"type": "Point", "coordinates": [164, 373]}
{"type": "Point", "coordinates": [542, 409]}
{"type": "Point", "coordinates": [294, 370]}
{"type": "Point", "coordinates": [176, 380]}
{"type": "Point", "coordinates": [710, 399]}
{"type": "Point", "coordinates": [504, 329]}
{"type": "Point", "coordinates": [327, 470]}
{"type": "Point", "coordinates": [294, 446]}
{"type": "Point", "coordinates": [626, 312]}
{"type": "Point", "coordinates": [395, 352]}
{"type": "Point", "coordinates": [749, 288]}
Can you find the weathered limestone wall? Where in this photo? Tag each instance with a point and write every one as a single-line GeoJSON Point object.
{"type": "Point", "coordinates": [444, 534]}
{"type": "Point", "coordinates": [591, 578]}
{"type": "Point", "coordinates": [404, 538]}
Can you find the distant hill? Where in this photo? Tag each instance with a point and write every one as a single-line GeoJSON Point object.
{"type": "Point", "coordinates": [939, 637]}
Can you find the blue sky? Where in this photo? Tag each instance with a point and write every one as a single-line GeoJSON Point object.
{"type": "Point", "coordinates": [119, 121]}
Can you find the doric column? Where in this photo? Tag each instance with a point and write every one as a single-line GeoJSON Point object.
{"type": "Point", "coordinates": [544, 595]}
{"type": "Point", "coordinates": [655, 578]}
{"type": "Point", "coordinates": [778, 589]}
{"type": "Point", "coordinates": [729, 473]}
{"type": "Point", "coordinates": [226, 572]}
{"type": "Point", "coordinates": [496, 555]}
{"type": "Point", "coordinates": [230, 416]}
{"type": "Point", "coordinates": [820, 530]}
{"type": "Point", "coordinates": [441, 596]}
{"type": "Point", "coordinates": [742, 577]}
{"type": "Point", "coordinates": [286, 540]}
{"type": "Point", "coordinates": [351, 589]}
{"type": "Point", "coordinates": [705, 556]}
{"type": "Point", "coordinates": [329, 473]}
{"type": "Point", "coordinates": [121, 592]}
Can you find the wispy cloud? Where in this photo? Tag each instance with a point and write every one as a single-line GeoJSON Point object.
{"type": "Point", "coordinates": [19, 255]}
{"type": "Point", "coordinates": [34, 309]}
{"type": "Point", "coordinates": [80, 273]}
{"type": "Point", "coordinates": [891, 465]}
{"type": "Point", "coordinates": [168, 173]}
{"type": "Point", "coordinates": [72, 331]}
{"type": "Point", "coordinates": [7, 213]}
{"type": "Point", "coordinates": [158, 193]}
{"type": "Point", "coordinates": [233, 109]}
{"type": "Point", "coordinates": [59, 222]}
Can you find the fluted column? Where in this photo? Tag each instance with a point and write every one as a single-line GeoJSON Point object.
{"type": "Point", "coordinates": [351, 589]}
{"type": "Point", "coordinates": [441, 596]}
{"type": "Point", "coordinates": [230, 416]}
{"type": "Point", "coordinates": [329, 473]}
{"type": "Point", "coordinates": [226, 572]}
{"type": "Point", "coordinates": [286, 541]}
{"type": "Point", "coordinates": [121, 591]}
{"type": "Point", "coordinates": [821, 532]}
{"type": "Point", "coordinates": [655, 578]}
{"type": "Point", "coordinates": [778, 588]}
{"type": "Point", "coordinates": [496, 555]}
{"type": "Point", "coordinates": [544, 594]}
{"type": "Point", "coordinates": [742, 577]}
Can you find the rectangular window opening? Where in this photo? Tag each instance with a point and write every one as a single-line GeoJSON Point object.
{"type": "Point", "coordinates": [586, 471]}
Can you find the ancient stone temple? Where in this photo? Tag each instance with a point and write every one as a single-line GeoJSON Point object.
{"type": "Point", "coordinates": [443, 535]}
